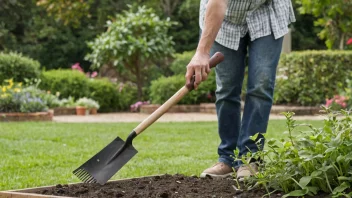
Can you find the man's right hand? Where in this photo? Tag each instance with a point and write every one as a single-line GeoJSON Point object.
{"type": "Point", "coordinates": [199, 67]}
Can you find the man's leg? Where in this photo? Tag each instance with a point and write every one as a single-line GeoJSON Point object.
{"type": "Point", "coordinates": [229, 78]}
{"type": "Point", "coordinates": [264, 54]}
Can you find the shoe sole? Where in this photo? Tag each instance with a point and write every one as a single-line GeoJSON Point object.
{"type": "Point", "coordinates": [204, 175]}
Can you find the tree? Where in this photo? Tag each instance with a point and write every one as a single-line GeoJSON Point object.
{"type": "Point", "coordinates": [68, 11]}
{"type": "Point", "coordinates": [334, 16]}
{"type": "Point", "coordinates": [132, 43]}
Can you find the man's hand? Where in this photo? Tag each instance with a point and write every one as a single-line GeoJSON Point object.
{"type": "Point", "coordinates": [199, 67]}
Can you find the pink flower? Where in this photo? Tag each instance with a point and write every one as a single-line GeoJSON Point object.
{"type": "Point", "coordinates": [329, 102]}
{"type": "Point", "coordinates": [349, 42]}
{"type": "Point", "coordinates": [77, 67]}
{"type": "Point", "coordinates": [344, 105]}
{"type": "Point", "coordinates": [94, 74]}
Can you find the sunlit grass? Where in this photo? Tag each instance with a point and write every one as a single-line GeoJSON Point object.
{"type": "Point", "coordinates": [40, 154]}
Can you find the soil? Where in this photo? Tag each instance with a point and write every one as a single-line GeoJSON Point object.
{"type": "Point", "coordinates": [165, 186]}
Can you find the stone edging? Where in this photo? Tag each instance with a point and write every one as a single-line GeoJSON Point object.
{"type": "Point", "coordinates": [21, 117]}
{"type": "Point", "coordinates": [64, 111]}
{"type": "Point", "coordinates": [210, 108]}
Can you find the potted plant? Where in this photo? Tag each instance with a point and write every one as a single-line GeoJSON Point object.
{"type": "Point", "coordinates": [82, 106]}
{"type": "Point", "coordinates": [94, 106]}
{"type": "Point", "coordinates": [85, 106]}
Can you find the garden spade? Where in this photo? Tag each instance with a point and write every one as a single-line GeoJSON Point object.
{"type": "Point", "coordinates": [102, 166]}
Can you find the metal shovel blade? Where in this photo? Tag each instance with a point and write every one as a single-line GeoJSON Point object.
{"type": "Point", "coordinates": [100, 168]}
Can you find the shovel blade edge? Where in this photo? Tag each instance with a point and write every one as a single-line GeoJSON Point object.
{"type": "Point", "coordinates": [98, 169]}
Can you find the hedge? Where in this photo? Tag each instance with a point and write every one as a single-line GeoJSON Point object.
{"type": "Point", "coordinates": [110, 96]}
{"type": "Point", "coordinates": [68, 82]}
{"type": "Point", "coordinates": [18, 67]}
{"type": "Point", "coordinates": [309, 77]}
{"type": "Point", "coordinates": [164, 87]}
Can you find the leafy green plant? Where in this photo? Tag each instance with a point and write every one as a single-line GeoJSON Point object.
{"type": "Point", "coordinates": [164, 87]}
{"type": "Point", "coordinates": [178, 66]}
{"type": "Point", "coordinates": [14, 98]}
{"type": "Point", "coordinates": [309, 77]}
{"type": "Point", "coordinates": [133, 42]}
{"type": "Point", "coordinates": [67, 102]}
{"type": "Point", "coordinates": [66, 82]}
{"type": "Point", "coordinates": [105, 93]}
{"type": "Point", "coordinates": [87, 102]}
{"type": "Point", "coordinates": [18, 67]}
{"type": "Point", "coordinates": [50, 100]}
{"type": "Point", "coordinates": [311, 161]}
{"type": "Point", "coordinates": [335, 18]}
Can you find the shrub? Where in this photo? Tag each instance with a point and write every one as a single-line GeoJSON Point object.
{"type": "Point", "coordinates": [74, 84]}
{"type": "Point", "coordinates": [88, 103]}
{"type": "Point", "coordinates": [18, 67]}
{"type": "Point", "coordinates": [310, 77]}
{"type": "Point", "coordinates": [318, 159]}
{"type": "Point", "coordinates": [127, 95]}
{"type": "Point", "coordinates": [66, 82]}
{"type": "Point", "coordinates": [163, 88]}
{"type": "Point", "coordinates": [178, 66]}
{"type": "Point", "coordinates": [105, 93]}
{"type": "Point", "coordinates": [15, 99]}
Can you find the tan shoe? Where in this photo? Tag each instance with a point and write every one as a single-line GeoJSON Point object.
{"type": "Point", "coordinates": [246, 171]}
{"type": "Point", "coordinates": [219, 170]}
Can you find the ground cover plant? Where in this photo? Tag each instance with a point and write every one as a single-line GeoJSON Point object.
{"type": "Point", "coordinates": [311, 161]}
{"type": "Point", "coordinates": [41, 154]}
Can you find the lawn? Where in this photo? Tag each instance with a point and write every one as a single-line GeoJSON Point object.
{"type": "Point", "coordinates": [39, 154]}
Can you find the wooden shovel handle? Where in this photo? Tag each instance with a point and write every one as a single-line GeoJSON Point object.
{"type": "Point", "coordinates": [214, 60]}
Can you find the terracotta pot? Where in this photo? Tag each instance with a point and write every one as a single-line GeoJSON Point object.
{"type": "Point", "coordinates": [93, 111]}
{"type": "Point", "coordinates": [81, 111]}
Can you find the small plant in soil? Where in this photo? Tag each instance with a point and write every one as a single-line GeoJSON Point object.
{"type": "Point", "coordinates": [313, 162]}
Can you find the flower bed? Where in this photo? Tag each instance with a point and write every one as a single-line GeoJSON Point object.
{"type": "Point", "coordinates": [152, 186]}
{"type": "Point", "coordinates": [37, 116]}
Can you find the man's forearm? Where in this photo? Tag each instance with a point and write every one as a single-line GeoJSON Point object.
{"type": "Point", "coordinates": [213, 19]}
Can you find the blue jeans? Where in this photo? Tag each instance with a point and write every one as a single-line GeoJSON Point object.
{"type": "Point", "coordinates": [263, 56]}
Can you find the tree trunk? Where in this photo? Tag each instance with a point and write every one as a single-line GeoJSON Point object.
{"type": "Point", "coordinates": [342, 41]}
{"type": "Point", "coordinates": [169, 6]}
{"type": "Point", "coordinates": [139, 80]}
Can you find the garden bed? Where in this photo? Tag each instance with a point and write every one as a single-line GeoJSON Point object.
{"type": "Point", "coordinates": [64, 111]}
{"type": "Point", "coordinates": [21, 117]}
{"type": "Point", "coordinates": [153, 186]}
{"type": "Point", "coordinates": [210, 108]}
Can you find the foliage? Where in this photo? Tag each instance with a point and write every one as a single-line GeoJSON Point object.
{"type": "Point", "coordinates": [67, 102]}
{"type": "Point", "coordinates": [304, 32]}
{"type": "Point", "coordinates": [14, 98]}
{"type": "Point", "coordinates": [311, 161]}
{"type": "Point", "coordinates": [105, 93]}
{"type": "Point", "coordinates": [50, 100]}
{"type": "Point", "coordinates": [134, 40]}
{"type": "Point", "coordinates": [178, 66]}
{"type": "Point", "coordinates": [70, 12]}
{"type": "Point", "coordinates": [88, 103]}
{"type": "Point", "coordinates": [310, 77]}
{"type": "Point", "coordinates": [163, 88]}
{"type": "Point", "coordinates": [334, 16]}
{"type": "Point", "coordinates": [18, 67]}
{"type": "Point", "coordinates": [127, 95]}
{"type": "Point", "coordinates": [66, 82]}
{"type": "Point", "coordinates": [337, 102]}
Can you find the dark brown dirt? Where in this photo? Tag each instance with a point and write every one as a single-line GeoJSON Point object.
{"type": "Point", "coordinates": [165, 186]}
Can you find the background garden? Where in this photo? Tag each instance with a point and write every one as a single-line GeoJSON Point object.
{"type": "Point", "coordinates": [119, 54]}
{"type": "Point", "coordinates": [115, 55]}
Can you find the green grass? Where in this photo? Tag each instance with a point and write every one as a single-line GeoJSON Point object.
{"type": "Point", "coordinates": [39, 154]}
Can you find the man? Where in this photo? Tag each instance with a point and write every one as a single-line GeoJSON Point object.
{"type": "Point", "coordinates": [237, 28]}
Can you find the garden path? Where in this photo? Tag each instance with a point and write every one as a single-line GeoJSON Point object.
{"type": "Point", "coordinates": [167, 117]}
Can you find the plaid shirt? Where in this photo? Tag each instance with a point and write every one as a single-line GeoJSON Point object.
{"type": "Point", "coordinates": [258, 17]}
